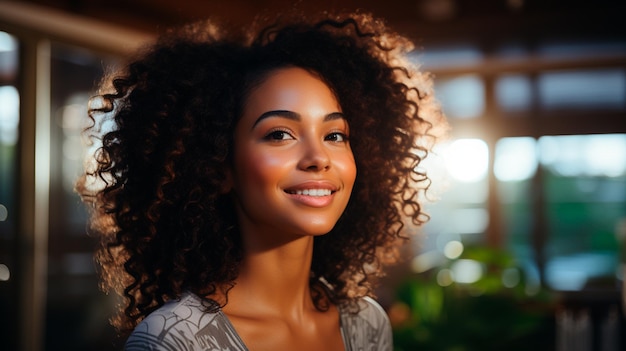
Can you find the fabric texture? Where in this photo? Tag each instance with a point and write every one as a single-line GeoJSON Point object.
{"type": "Point", "coordinates": [184, 325]}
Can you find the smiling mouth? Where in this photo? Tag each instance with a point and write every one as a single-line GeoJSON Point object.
{"type": "Point", "coordinates": [311, 192]}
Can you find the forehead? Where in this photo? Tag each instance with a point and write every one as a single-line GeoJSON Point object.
{"type": "Point", "coordinates": [290, 88]}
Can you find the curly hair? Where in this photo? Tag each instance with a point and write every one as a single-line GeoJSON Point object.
{"type": "Point", "coordinates": [155, 182]}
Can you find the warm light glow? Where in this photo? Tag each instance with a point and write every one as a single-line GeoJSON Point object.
{"type": "Point", "coordinates": [516, 159]}
{"type": "Point", "coordinates": [7, 42]}
{"type": "Point", "coordinates": [467, 160]}
{"type": "Point", "coordinates": [5, 273]}
{"type": "Point", "coordinates": [74, 116]}
{"type": "Point", "coordinates": [73, 121]}
{"type": "Point", "coordinates": [426, 261]}
{"type": "Point", "coordinates": [445, 277]}
{"type": "Point", "coordinates": [4, 213]}
{"type": "Point", "coordinates": [467, 271]}
{"type": "Point", "coordinates": [9, 114]}
{"type": "Point", "coordinates": [73, 148]}
{"type": "Point", "coordinates": [453, 249]}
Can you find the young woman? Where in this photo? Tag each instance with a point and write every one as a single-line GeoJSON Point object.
{"type": "Point", "coordinates": [252, 187]}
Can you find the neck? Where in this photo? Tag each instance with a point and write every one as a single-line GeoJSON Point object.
{"type": "Point", "coordinates": [274, 279]}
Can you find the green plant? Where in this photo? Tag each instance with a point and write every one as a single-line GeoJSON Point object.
{"type": "Point", "coordinates": [493, 312]}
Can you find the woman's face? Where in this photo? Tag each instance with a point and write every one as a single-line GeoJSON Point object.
{"type": "Point", "coordinates": [293, 166]}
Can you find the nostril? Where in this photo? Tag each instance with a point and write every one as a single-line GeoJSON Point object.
{"type": "Point", "coordinates": [318, 167]}
{"type": "Point", "coordinates": [315, 162]}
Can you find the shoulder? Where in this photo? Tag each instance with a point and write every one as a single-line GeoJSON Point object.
{"type": "Point", "coordinates": [366, 325]}
{"type": "Point", "coordinates": [372, 311]}
{"type": "Point", "coordinates": [184, 324]}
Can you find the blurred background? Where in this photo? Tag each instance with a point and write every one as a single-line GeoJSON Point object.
{"type": "Point", "coordinates": [526, 245]}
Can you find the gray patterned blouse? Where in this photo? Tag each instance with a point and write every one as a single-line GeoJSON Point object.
{"type": "Point", "coordinates": [184, 325]}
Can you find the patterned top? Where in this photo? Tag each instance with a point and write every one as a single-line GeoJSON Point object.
{"type": "Point", "coordinates": [184, 325]}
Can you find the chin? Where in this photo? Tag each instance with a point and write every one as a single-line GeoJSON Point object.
{"type": "Point", "coordinates": [319, 231]}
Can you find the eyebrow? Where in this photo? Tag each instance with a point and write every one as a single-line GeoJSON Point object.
{"type": "Point", "coordinates": [294, 116]}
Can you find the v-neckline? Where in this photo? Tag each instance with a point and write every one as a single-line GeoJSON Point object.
{"type": "Point", "coordinates": [344, 336]}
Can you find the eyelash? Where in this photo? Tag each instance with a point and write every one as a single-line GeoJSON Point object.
{"type": "Point", "coordinates": [271, 136]}
{"type": "Point", "coordinates": [343, 136]}
{"type": "Point", "coordinates": [274, 132]}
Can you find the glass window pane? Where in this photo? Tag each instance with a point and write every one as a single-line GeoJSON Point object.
{"type": "Point", "coordinates": [9, 115]}
{"type": "Point", "coordinates": [515, 159]}
{"type": "Point", "coordinates": [514, 92]}
{"type": "Point", "coordinates": [580, 49]}
{"type": "Point", "coordinates": [583, 89]}
{"type": "Point", "coordinates": [459, 212]}
{"type": "Point", "coordinates": [585, 183]}
{"type": "Point", "coordinates": [9, 130]}
{"type": "Point", "coordinates": [515, 164]}
{"type": "Point", "coordinates": [584, 155]}
{"type": "Point", "coordinates": [447, 56]}
{"type": "Point", "coordinates": [462, 97]}
{"type": "Point", "coordinates": [8, 56]}
{"type": "Point", "coordinates": [509, 50]}
{"type": "Point", "coordinates": [585, 203]}
{"type": "Point", "coordinates": [73, 298]}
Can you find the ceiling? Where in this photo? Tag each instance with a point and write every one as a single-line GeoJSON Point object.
{"type": "Point", "coordinates": [426, 20]}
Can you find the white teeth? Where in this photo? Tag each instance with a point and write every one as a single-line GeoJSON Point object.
{"type": "Point", "coordinates": [313, 192]}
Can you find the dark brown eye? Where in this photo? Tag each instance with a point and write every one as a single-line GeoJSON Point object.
{"type": "Point", "coordinates": [279, 135]}
{"type": "Point", "coordinates": [337, 137]}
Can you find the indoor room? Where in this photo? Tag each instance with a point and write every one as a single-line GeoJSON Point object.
{"type": "Point", "coordinates": [525, 246]}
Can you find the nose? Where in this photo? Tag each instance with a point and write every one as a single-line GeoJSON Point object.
{"type": "Point", "coordinates": [315, 157]}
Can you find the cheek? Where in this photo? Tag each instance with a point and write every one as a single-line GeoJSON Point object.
{"type": "Point", "coordinates": [347, 167]}
{"type": "Point", "coordinates": [256, 167]}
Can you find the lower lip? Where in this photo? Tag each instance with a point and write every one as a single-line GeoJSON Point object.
{"type": "Point", "coordinates": [312, 201]}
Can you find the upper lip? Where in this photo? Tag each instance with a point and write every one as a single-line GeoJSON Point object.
{"type": "Point", "coordinates": [308, 185]}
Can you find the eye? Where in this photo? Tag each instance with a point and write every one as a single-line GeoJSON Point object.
{"type": "Point", "coordinates": [337, 137]}
{"type": "Point", "coordinates": [278, 135]}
